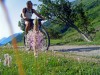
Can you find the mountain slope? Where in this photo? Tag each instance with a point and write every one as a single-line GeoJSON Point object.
{"type": "Point", "coordinates": [92, 7]}
{"type": "Point", "coordinates": [9, 39]}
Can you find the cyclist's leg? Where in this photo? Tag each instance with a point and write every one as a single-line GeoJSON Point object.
{"type": "Point", "coordinates": [31, 24]}
{"type": "Point", "coordinates": [39, 25]}
{"type": "Point", "coordinates": [27, 27]}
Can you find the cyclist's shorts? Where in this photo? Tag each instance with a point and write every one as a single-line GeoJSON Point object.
{"type": "Point", "coordinates": [31, 22]}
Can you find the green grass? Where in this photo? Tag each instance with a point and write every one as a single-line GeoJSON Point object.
{"type": "Point", "coordinates": [64, 42]}
{"type": "Point", "coordinates": [57, 41]}
{"type": "Point", "coordinates": [20, 43]}
{"type": "Point", "coordinates": [52, 42]}
{"type": "Point", "coordinates": [48, 64]}
{"type": "Point", "coordinates": [75, 39]}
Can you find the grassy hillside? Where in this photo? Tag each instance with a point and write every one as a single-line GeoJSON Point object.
{"type": "Point", "coordinates": [93, 9]}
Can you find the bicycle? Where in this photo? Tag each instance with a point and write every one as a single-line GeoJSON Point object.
{"type": "Point", "coordinates": [46, 38]}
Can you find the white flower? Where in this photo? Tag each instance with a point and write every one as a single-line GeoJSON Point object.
{"type": "Point", "coordinates": [9, 46]}
{"type": "Point", "coordinates": [45, 51]}
{"type": "Point", "coordinates": [7, 60]}
{"type": "Point", "coordinates": [78, 59]}
{"type": "Point", "coordinates": [54, 53]}
{"type": "Point", "coordinates": [58, 60]}
{"type": "Point", "coordinates": [28, 52]}
{"type": "Point", "coordinates": [52, 50]}
{"type": "Point", "coordinates": [64, 55]}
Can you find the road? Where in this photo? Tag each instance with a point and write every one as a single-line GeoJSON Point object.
{"type": "Point", "coordinates": [83, 50]}
{"type": "Point", "coordinates": [93, 50]}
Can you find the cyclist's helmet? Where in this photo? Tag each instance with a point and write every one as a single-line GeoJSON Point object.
{"type": "Point", "coordinates": [29, 2]}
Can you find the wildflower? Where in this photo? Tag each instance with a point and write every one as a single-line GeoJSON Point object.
{"type": "Point", "coordinates": [9, 46]}
{"type": "Point", "coordinates": [78, 59]}
{"type": "Point", "coordinates": [28, 52]}
{"type": "Point", "coordinates": [64, 55]}
{"type": "Point", "coordinates": [58, 60]}
{"type": "Point", "coordinates": [35, 39]}
{"type": "Point", "coordinates": [45, 51]}
{"type": "Point", "coordinates": [7, 60]}
{"type": "Point", "coordinates": [47, 61]}
{"type": "Point", "coordinates": [33, 36]}
{"type": "Point", "coordinates": [53, 53]}
{"type": "Point", "coordinates": [52, 50]}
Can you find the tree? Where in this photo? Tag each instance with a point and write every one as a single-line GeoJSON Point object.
{"type": "Point", "coordinates": [63, 12]}
{"type": "Point", "coordinates": [84, 22]}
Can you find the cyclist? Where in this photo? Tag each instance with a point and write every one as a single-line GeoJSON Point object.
{"type": "Point", "coordinates": [27, 13]}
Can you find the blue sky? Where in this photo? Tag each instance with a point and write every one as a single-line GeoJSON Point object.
{"type": "Point", "coordinates": [14, 8]}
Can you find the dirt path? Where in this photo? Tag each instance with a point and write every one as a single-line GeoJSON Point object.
{"type": "Point", "coordinates": [83, 50]}
{"type": "Point", "coordinates": [93, 50]}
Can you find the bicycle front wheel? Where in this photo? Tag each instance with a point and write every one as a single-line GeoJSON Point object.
{"type": "Point", "coordinates": [45, 41]}
{"type": "Point", "coordinates": [46, 38]}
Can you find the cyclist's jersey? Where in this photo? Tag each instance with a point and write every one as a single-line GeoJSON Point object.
{"type": "Point", "coordinates": [28, 13]}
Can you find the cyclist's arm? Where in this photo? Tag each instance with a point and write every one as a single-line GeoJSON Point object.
{"type": "Point", "coordinates": [23, 14]}
{"type": "Point", "coordinates": [38, 15]}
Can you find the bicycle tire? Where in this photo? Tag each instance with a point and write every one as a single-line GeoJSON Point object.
{"type": "Point", "coordinates": [47, 35]}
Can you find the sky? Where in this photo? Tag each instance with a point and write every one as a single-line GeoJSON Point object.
{"type": "Point", "coordinates": [14, 9]}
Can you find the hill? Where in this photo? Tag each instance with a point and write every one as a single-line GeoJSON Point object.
{"type": "Point", "coordinates": [92, 7]}
{"type": "Point", "coordinates": [71, 36]}
{"type": "Point", "coordinates": [4, 41]}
